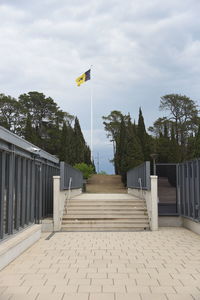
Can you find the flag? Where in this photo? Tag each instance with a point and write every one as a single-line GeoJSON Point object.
{"type": "Point", "coordinates": [84, 77]}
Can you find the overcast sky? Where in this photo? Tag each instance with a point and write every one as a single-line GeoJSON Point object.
{"type": "Point", "coordinates": [140, 50]}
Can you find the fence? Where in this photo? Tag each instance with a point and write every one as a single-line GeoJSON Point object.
{"type": "Point", "coordinates": [167, 189]}
{"type": "Point", "coordinates": [70, 177]}
{"type": "Point", "coordinates": [139, 177]}
{"type": "Point", "coordinates": [26, 189]}
{"type": "Point", "coordinates": [189, 189]}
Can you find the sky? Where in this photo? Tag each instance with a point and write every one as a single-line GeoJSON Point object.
{"type": "Point", "coordinates": [139, 50]}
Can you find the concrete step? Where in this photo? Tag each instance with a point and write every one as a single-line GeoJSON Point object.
{"type": "Point", "coordinates": [102, 208]}
{"type": "Point", "coordinates": [106, 222]}
{"type": "Point", "coordinates": [106, 228]}
{"type": "Point", "coordinates": [104, 217]}
{"type": "Point", "coordinates": [107, 205]}
{"type": "Point", "coordinates": [98, 202]}
{"type": "Point", "coordinates": [105, 213]}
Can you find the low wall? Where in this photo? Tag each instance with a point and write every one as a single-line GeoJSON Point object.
{"type": "Point", "coordinates": [18, 243]}
{"type": "Point", "coordinates": [174, 221]}
{"type": "Point", "coordinates": [191, 225]}
{"type": "Point", "coordinates": [151, 198]}
{"type": "Point", "coordinates": [59, 199]}
{"type": "Point", "coordinates": [170, 221]}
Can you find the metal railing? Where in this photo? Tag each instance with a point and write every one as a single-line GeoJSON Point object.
{"type": "Point", "coordinates": [26, 183]}
{"type": "Point", "coordinates": [139, 177]}
{"type": "Point", "coordinates": [189, 189]}
{"type": "Point", "coordinates": [70, 178]}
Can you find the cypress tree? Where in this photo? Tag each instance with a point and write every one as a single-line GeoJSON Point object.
{"type": "Point", "coordinates": [121, 151]}
{"type": "Point", "coordinates": [174, 156]}
{"type": "Point", "coordinates": [143, 137]}
{"type": "Point", "coordinates": [163, 146]}
{"type": "Point", "coordinates": [197, 144]}
{"type": "Point", "coordinates": [79, 142]}
{"type": "Point", "coordinates": [134, 150]}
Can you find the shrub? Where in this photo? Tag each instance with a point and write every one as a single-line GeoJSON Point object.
{"type": "Point", "coordinates": [87, 170]}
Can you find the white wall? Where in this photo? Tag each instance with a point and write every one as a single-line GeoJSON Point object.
{"type": "Point", "coordinates": [18, 243]}
{"type": "Point", "coordinates": [59, 199]}
{"type": "Point", "coordinates": [151, 198]}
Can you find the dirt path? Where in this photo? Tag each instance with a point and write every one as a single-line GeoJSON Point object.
{"type": "Point", "coordinates": [110, 184]}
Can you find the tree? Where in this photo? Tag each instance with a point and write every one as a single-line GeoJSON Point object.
{"type": "Point", "coordinates": [183, 113]}
{"type": "Point", "coordinates": [163, 146]}
{"type": "Point", "coordinates": [79, 142]}
{"type": "Point", "coordinates": [87, 170]}
{"type": "Point", "coordinates": [144, 138]}
{"type": "Point", "coordinates": [11, 114]}
{"type": "Point", "coordinates": [121, 151]}
{"type": "Point", "coordinates": [134, 150]}
{"type": "Point", "coordinates": [112, 124]}
{"type": "Point", "coordinates": [196, 152]}
{"type": "Point", "coordinates": [174, 156]}
{"type": "Point", "coordinates": [38, 119]}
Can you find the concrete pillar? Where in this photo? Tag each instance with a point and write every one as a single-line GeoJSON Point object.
{"type": "Point", "coordinates": [154, 203]}
{"type": "Point", "coordinates": [56, 203]}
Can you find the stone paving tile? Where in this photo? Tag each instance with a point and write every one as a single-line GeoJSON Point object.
{"type": "Point", "coordinates": [68, 296]}
{"type": "Point", "coordinates": [107, 266]}
{"type": "Point", "coordinates": [104, 296]}
{"type": "Point", "coordinates": [181, 296]}
{"type": "Point", "coordinates": [128, 296]}
{"type": "Point", "coordinates": [50, 296]}
{"type": "Point", "coordinates": [23, 297]}
{"type": "Point", "coordinates": [153, 297]}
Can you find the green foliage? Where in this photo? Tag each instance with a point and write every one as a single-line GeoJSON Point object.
{"type": "Point", "coordinates": [176, 134]}
{"type": "Point", "coordinates": [196, 148]}
{"type": "Point", "coordinates": [39, 120]}
{"type": "Point", "coordinates": [174, 137]}
{"type": "Point", "coordinates": [87, 170]}
{"type": "Point", "coordinates": [112, 124]}
{"type": "Point", "coordinates": [131, 142]}
{"type": "Point", "coordinates": [102, 173]}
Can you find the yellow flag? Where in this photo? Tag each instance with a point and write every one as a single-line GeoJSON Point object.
{"type": "Point", "coordinates": [80, 79]}
{"type": "Point", "coordinates": [84, 77]}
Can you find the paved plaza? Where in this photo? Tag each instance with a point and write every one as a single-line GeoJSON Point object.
{"type": "Point", "coordinates": [107, 266]}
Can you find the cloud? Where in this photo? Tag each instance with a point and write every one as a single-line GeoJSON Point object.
{"type": "Point", "coordinates": [140, 51]}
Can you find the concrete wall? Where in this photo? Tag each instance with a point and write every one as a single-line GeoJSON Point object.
{"type": "Point", "coordinates": [170, 221]}
{"type": "Point", "coordinates": [151, 198]}
{"type": "Point", "coordinates": [18, 243]}
{"type": "Point", "coordinates": [59, 199]}
{"type": "Point", "coordinates": [167, 221]}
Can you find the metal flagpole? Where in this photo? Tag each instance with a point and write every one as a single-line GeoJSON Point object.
{"type": "Point", "coordinates": [91, 116]}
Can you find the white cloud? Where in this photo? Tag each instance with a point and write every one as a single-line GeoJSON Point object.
{"type": "Point", "coordinates": [140, 50]}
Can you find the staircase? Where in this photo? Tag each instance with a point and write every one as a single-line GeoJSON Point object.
{"type": "Point", "coordinates": [105, 212]}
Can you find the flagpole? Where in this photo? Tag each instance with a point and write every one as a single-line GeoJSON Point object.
{"type": "Point", "coordinates": [91, 115]}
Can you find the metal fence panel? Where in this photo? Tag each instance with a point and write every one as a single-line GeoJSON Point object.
{"type": "Point", "coordinates": [26, 183]}
{"type": "Point", "coordinates": [139, 177]}
{"type": "Point", "coordinates": [167, 189]}
{"type": "Point", "coordinates": [189, 189]}
{"type": "Point", "coordinates": [70, 176]}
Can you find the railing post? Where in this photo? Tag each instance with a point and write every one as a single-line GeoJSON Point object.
{"type": "Point", "coordinates": [154, 203]}
{"type": "Point", "coordinates": [56, 203]}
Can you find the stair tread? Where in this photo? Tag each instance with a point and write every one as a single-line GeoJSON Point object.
{"type": "Point", "coordinates": [107, 214]}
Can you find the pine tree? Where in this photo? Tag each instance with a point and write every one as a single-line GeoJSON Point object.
{"type": "Point", "coordinates": [29, 132]}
